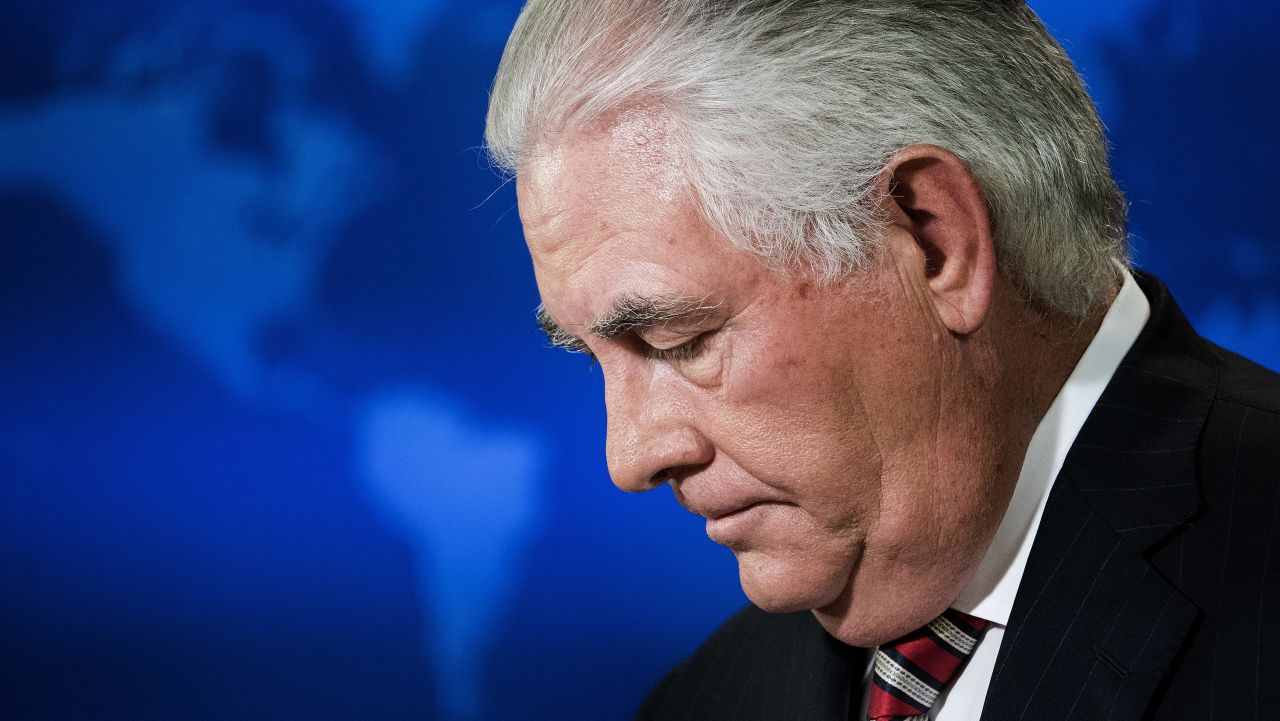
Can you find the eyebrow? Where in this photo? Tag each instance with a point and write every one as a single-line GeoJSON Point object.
{"type": "Point", "coordinates": [557, 335]}
{"type": "Point", "coordinates": [630, 314]}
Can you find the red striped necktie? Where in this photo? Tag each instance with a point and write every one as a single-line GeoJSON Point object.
{"type": "Point", "coordinates": [912, 671]}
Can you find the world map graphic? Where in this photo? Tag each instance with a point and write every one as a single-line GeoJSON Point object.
{"type": "Point", "coordinates": [279, 224]}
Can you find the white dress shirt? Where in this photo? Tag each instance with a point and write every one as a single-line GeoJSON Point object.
{"type": "Point", "coordinates": [991, 591]}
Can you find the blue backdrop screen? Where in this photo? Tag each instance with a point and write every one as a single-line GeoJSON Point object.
{"type": "Point", "coordinates": [278, 435]}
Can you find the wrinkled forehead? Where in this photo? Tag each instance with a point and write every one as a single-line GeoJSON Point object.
{"type": "Point", "coordinates": [608, 214]}
{"type": "Point", "coordinates": [622, 165]}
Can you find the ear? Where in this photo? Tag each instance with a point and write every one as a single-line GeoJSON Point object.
{"type": "Point", "coordinates": [936, 204]}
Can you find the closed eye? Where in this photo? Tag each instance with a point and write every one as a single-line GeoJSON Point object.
{"type": "Point", "coordinates": [688, 350]}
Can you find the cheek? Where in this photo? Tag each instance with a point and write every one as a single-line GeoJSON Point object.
{"type": "Point", "coordinates": [804, 387]}
{"type": "Point", "coordinates": [795, 421]}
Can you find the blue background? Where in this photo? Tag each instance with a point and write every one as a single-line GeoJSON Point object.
{"type": "Point", "coordinates": [278, 437]}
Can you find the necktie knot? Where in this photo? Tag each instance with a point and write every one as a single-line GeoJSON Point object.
{"type": "Point", "coordinates": [911, 672]}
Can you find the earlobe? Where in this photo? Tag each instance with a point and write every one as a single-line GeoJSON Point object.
{"type": "Point", "coordinates": [931, 195]}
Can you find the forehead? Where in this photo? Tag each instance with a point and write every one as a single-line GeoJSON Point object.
{"type": "Point", "coordinates": [607, 212]}
{"type": "Point", "coordinates": [624, 163]}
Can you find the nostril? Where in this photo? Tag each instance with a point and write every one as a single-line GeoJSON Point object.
{"type": "Point", "coordinates": [675, 474]}
{"type": "Point", "coordinates": [660, 478]}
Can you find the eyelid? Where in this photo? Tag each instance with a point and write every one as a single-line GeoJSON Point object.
{"type": "Point", "coordinates": [683, 351]}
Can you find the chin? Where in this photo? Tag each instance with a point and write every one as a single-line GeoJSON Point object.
{"type": "Point", "coordinates": [854, 609]}
{"type": "Point", "coordinates": [786, 585]}
{"type": "Point", "coordinates": [862, 630]}
{"type": "Point", "coordinates": [873, 612]}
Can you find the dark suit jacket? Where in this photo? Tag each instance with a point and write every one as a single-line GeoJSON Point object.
{"type": "Point", "coordinates": [1153, 585]}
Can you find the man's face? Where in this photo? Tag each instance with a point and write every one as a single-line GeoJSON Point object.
{"type": "Point", "coordinates": [802, 421]}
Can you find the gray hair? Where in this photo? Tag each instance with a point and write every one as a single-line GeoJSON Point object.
{"type": "Point", "coordinates": [787, 112]}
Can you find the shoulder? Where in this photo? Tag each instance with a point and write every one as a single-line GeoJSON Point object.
{"type": "Point", "coordinates": [757, 665]}
{"type": "Point", "coordinates": [1240, 446]}
{"type": "Point", "coordinates": [1224, 559]}
{"type": "Point", "coordinates": [1243, 382]}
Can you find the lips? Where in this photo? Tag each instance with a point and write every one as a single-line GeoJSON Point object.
{"type": "Point", "coordinates": [733, 510]}
{"type": "Point", "coordinates": [720, 498]}
{"type": "Point", "coordinates": [714, 509]}
{"type": "Point", "coordinates": [736, 529]}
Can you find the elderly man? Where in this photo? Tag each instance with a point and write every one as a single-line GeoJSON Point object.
{"type": "Point", "coordinates": [856, 275]}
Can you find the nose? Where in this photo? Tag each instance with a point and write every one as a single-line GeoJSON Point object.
{"type": "Point", "coordinates": [652, 435]}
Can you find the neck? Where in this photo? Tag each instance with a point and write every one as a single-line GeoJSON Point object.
{"type": "Point", "coordinates": [1023, 357]}
{"type": "Point", "coordinates": [995, 385]}
{"type": "Point", "coordinates": [1016, 365]}
{"type": "Point", "coordinates": [1033, 352]}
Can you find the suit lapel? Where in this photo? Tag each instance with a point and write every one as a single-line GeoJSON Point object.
{"type": "Point", "coordinates": [1095, 627]}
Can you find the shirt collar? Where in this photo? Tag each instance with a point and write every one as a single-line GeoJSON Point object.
{"type": "Point", "coordinates": [990, 593]}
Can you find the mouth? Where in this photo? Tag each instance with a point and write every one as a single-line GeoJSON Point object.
{"type": "Point", "coordinates": [734, 528]}
{"type": "Point", "coordinates": [725, 514]}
